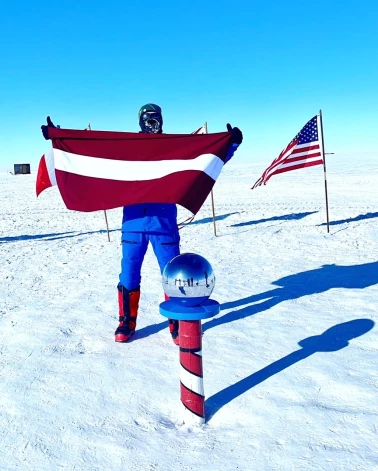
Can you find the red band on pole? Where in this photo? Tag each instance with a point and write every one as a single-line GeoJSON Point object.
{"type": "Point", "coordinates": [195, 403]}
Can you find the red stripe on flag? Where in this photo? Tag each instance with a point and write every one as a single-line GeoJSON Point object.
{"type": "Point", "coordinates": [306, 149]}
{"type": "Point", "coordinates": [296, 167]}
{"type": "Point", "coordinates": [139, 146]}
{"type": "Point", "coordinates": [302, 157]}
{"type": "Point", "coordinates": [188, 188]}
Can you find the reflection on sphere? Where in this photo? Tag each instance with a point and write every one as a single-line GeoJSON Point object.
{"type": "Point", "coordinates": [188, 279]}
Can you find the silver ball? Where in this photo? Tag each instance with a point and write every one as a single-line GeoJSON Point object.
{"type": "Point", "coordinates": [188, 279]}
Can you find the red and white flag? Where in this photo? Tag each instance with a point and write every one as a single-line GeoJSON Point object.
{"type": "Point", "coordinates": [303, 151]}
{"type": "Point", "coordinates": [105, 170]}
{"type": "Point", "coordinates": [46, 172]}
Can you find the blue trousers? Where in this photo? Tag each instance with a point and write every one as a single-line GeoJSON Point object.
{"type": "Point", "coordinates": [134, 248]}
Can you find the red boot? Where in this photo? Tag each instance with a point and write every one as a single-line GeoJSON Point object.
{"type": "Point", "coordinates": [128, 302]}
{"type": "Point", "coordinates": [173, 327]}
{"type": "Point", "coordinates": [174, 330]}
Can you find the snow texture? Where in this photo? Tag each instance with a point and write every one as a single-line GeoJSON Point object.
{"type": "Point", "coordinates": [290, 363]}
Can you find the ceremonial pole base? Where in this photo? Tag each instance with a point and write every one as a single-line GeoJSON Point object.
{"type": "Point", "coordinates": [191, 370]}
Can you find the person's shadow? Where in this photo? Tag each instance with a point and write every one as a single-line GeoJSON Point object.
{"type": "Point", "coordinates": [332, 340]}
{"type": "Point", "coordinates": [301, 284]}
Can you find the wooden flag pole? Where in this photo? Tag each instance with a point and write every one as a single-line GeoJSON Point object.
{"type": "Point", "coordinates": [107, 226]}
{"type": "Point", "coordinates": [325, 170]}
{"type": "Point", "coordinates": [106, 216]}
{"type": "Point", "coordinates": [212, 197]}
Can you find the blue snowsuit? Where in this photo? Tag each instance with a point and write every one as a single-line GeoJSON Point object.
{"type": "Point", "coordinates": [150, 222]}
{"type": "Point", "coordinates": [141, 224]}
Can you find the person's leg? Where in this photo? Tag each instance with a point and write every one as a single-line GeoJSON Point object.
{"type": "Point", "coordinates": [167, 247]}
{"type": "Point", "coordinates": [128, 303]}
{"type": "Point", "coordinates": [134, 247]}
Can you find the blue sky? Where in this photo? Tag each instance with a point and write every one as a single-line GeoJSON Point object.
{"type": "Point", "coordinates": [266, 67]}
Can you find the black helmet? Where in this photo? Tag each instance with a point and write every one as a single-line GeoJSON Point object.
{"type": "Point", "coordinates": [151, 119]}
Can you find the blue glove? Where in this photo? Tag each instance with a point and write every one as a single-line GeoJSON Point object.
{"type": "Point", "coordinates": [237, 136]}
{"type": "Point", "coordinates": [45, 129]}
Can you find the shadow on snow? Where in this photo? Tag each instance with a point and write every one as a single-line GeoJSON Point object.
{"type": "Point", "coordinates": [295, 286]}
{"type": "Point", "coordinates": [151, 330]}
{"type": "Point", "coordinates": [332, 340]}
{"type": "Point", "coordinates": [217, 218]}
{"type": "Point", "coordinates": [58, 235]}
{"type": "Point", "coordinates": [298, 285]}
{"type": "Point", "coordinates": [285, 217]}
{"type": "Point", "coordinates": [357, 218]}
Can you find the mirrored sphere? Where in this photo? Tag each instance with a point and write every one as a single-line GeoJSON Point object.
{"type": "Point", "coordinates": [188, 279]}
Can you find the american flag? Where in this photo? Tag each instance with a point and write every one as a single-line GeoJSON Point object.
{"type": "Point", "coordinates": [303, 151]}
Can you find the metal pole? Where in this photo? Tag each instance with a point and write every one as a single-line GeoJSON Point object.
{"type": "Point", "coordinates": [325, 170]}
{"type": "Point", "coordinates": [106, 216]}
{"type": "Point", "coordinates": [212, 196]}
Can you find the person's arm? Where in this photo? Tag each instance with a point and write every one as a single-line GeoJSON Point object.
{"type": "Point", "coordinates": [45, 129]}
{"type": "Point", "coordinates": [237, 139]}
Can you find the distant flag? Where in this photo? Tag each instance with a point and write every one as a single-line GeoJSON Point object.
{"type": "Point", "coordinates": [46, 172]}
{"type": "Point", "coordinates": [303, 151]}
{"type": "Point", "coordinates": [201, 130]}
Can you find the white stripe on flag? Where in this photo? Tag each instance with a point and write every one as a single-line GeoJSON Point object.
{"type": "Point", "coordinates": [49, 160]}
{"type": "Point", "coordinates": [309, 144]}
{"type": "Point", "coordinates": [308, 152]}
{"type": "Point", "coordinates": [134, 170]}
{"type": "Point", "coordinates": [288, 163]}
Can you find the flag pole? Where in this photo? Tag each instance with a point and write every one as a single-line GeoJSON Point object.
{"type": "Point", "coordinates": [106, 216]}
{"type": "Point", "coordinates": [212, 196]}
{"type": "Point", "coordinates": [325, 170]}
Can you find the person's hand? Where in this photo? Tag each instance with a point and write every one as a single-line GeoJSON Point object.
{"type": "Point", "coordinates": [237, 136]}
{"type": "Point", "coordinates": [45, 129]}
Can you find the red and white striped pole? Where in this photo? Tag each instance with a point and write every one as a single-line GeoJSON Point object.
{"type": "Point", "coordinates": [188, 281]}
{"type": "Point", "coordinates": [191, 372]}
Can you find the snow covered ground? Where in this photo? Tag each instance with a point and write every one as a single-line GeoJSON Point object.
{"type": "Point", "coordinates": [290, 363]}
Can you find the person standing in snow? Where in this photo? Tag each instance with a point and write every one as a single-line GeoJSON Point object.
{"type": "Point", "coordinates": [145, 223]}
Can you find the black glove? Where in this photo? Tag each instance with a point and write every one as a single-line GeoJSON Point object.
{"type": "Point", "coordinates": [237, 136]}
{"type": "Point", "coordinates": [45, 129]}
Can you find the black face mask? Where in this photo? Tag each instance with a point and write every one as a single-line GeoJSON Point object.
{"type": "Point", "coordinates": [151, 123]}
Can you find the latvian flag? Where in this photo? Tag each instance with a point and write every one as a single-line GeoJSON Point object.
{"type": "Point", "coordinates": [103, 170]}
